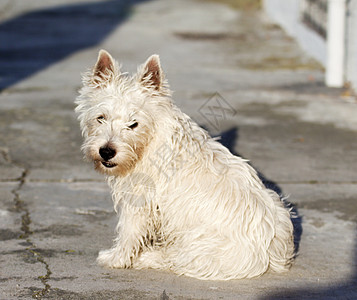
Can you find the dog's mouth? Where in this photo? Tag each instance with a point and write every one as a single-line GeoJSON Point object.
{"type": "Point", "coordinates": [108, 164]}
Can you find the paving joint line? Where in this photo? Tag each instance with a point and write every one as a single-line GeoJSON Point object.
{"type": "Point", "coordinates": [316, 182]}
{"type": "Point", "coordinates": [310, 182]}
{"type": "Point", "coordinates": [52, 180]}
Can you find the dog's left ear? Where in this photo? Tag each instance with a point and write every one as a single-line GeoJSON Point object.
{"type": "Point", "coordinates": [151, 74]}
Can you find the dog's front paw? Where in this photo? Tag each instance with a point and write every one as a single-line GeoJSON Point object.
{"type": "Point", "coordinates": [112, 258]}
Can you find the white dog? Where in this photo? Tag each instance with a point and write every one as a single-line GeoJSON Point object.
{"type": "Point", "coordinates": [185, 203]}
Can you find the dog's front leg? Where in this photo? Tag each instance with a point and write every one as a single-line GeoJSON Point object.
{"type": "Point", "coordinates": [131, 232]}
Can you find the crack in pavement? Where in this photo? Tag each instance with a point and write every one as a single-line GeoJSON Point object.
{"type": "Point", "coordinates": [311, 182]}
{"type": "Point", "coordinates": [21, 207]}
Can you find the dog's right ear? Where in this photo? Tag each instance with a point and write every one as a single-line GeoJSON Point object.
{"type": "Point", "coordinates": [103, 70]}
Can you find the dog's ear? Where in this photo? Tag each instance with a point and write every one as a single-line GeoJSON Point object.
{"type": "Point", "coordinates": [103, 68]}
{"type": "Point", "coordinates": [151, 74]}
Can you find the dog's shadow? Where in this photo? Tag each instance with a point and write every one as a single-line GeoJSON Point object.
{"type": "Point", "coordinates": [229, 139]}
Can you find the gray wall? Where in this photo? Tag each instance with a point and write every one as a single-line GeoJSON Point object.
{"type": "Point", "coordinates": [286, 14]}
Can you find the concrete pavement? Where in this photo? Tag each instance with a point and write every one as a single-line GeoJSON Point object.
{"type": "Point", "coordinates": [56, 212]}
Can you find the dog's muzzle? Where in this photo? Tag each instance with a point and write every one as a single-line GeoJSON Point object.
{"type": "Point", "coordinates": [107, 153]}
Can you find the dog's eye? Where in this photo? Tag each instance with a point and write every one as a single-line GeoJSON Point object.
{"type": "Point", "coordinates": [134, 125]}
{"type": "Point", "coordinates": [101, 119]}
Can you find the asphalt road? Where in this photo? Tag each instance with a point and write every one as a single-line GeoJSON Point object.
{"type": "Point", "coordinates": [56, 212]}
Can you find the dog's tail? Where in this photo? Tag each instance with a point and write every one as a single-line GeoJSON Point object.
{"type": "Point", "coordinates": [281, 249]}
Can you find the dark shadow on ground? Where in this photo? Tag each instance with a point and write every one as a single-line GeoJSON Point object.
{"type": "Point", "coordinates": [229, 139]}
{"type": "Point", "coordinates": [311, 88]}
{"type": "Point", "coordinates": [345, 290]}
{"type": "Point", "coordinates": [35, 40]}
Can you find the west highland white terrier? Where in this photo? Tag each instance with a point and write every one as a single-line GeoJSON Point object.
{"type": "Point", "coordinates": [199, 211]}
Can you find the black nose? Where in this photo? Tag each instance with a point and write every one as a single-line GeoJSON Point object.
{"type": "Point", "coordinates": [107, 153]}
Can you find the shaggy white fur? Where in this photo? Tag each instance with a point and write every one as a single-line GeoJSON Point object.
{"type": "Point", "coordinates": [185, 203]}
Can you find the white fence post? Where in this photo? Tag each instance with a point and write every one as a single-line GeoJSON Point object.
{"type": "Point", "coordinates": [336, 21]}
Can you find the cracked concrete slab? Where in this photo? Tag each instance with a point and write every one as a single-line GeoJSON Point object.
{"type": "Point", "coordinates": [56, 212]}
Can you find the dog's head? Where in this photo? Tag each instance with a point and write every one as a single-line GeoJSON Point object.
{"type": "Point", "coordinates": [118, 113]}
